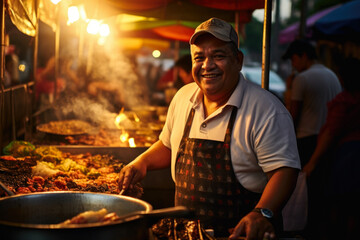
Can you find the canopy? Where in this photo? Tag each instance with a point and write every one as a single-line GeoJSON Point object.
{"type": "Point", "coordinates": [231, 4]}
{"type": "Point", "coordinates": [290, 33]}
{"type": "Point", "coordinates": [186, 10]}
{"type": "Point", "coordinates": [23, 13]}
{"type": "Point", "coordinates": [342, 23]}
{"type": "Point", "coordinates": [158, 29]}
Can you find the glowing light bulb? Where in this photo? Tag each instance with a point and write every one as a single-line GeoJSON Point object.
{"type": "Point", "coordinates": [93, 26]}
{"type": "Point", "coordinates": [22, 67]}
{"type": "Point", "coordinates": [73, 14]}
{"type": "Point", "coordinates": [104, 30]}
{"type": "Point", "coordinates": [55, 1]}
{"type": "Point", "coordinates": [156, 53]}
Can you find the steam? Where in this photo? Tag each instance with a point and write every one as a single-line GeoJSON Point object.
{"type": "Point", "coordinates": [119, 70]}
{"type": "Point", "coordinates": [88, 110]}
{"type": "Point", "coordinates": [112, 70]}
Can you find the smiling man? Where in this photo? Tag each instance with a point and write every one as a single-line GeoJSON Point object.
{"type": "Point", "coordinates": [230, 144]}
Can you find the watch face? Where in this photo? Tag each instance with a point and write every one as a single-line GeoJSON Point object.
{"type": "Point", "coordinates": [266, 212]}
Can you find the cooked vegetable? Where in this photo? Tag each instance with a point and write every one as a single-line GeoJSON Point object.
{"type": "Point", "coordinates": [19, 149]}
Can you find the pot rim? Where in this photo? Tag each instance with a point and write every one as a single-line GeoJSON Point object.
{"type": "Point", "coordinates": [134, 216]}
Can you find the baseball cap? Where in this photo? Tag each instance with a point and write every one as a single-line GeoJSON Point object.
{"type": "Point", "coordinates": [299, 47]}
{"type": "Point", "coordinates": [218, 28]}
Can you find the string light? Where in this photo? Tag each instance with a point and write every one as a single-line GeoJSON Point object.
{"type": "Point", "coordinates": [104, 30]}
{"type": "Point", "coordinates": [156, 53]}
{"type": "Point", "coordinates": [55, 1]}
{"type": "Point", "coordinates": [93, 26]}
{"type": "Point", "coordinates": [73, 14]}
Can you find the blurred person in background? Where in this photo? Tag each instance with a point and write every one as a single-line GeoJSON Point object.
{"type": "Point", "coordinates": [230, 144]}
{"type": "Point", "coordinates": [338, 151]}
{"type": "Point", "coordinates": [311, 86]}
{"type": "Point", "coordinates": [183, 68]}
{"type": "Point", "coordinates": [45, 81]}
{"type": "Point", "coordinates": [75, 82]}
{"type": "Point", "coordinates": [178, 76]}
{"type": "Point", "coordinates": [11, 64]}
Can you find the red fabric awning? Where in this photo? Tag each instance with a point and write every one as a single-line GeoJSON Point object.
{"type": "Point", "coordinates": [185, 10]}
{"type": "Point", "coordinates": [175, 32]}
{"type": "Point", "coordinates": [233, 5]}
{"type": "Point", "coordinates": [136, 5]}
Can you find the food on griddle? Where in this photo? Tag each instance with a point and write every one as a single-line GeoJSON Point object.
{"type": "Point", "coordinates": [48, 169]}
{"type": "Point", "coordinates": [112, 138]}
{"type": "Point", "coordinates": [92, 217]}
{"type": "Point", "coordinates": [66, 127]}
{"type": "Point", "coordinates": [42, 169]}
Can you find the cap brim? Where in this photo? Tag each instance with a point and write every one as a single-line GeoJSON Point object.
{"type": "Point", "coordinates": [201, 32]}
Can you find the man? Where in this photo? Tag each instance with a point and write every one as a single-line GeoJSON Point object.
{"type": "Point", "coordinates": [230, 144]}
{"type": "Point", "coordinates": [310, 91]}
{"type": "Point", "coordinates": [183, 66]}
{"type": "Point", "coordinates": [339, 147]}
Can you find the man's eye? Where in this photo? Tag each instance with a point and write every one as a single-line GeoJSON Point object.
{"type": "Point", "coordinates": [219, 56]}
{"type": "Point", "coordinates": [198, 59]}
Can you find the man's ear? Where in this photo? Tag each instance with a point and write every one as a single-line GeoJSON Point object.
{"type": "Point", "coordinates": [240, 57]}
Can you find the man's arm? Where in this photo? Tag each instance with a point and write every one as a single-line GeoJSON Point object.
{"type": "Point", "coordinates": [277, 192]}
{"type": "Point", "coordinates": [325, 142]}
{"type": "Point", "coordinates": [156, 157]}
{"type": "Point", "coordinates": [295, 110]}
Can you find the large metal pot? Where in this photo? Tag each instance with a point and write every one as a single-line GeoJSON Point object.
{"type": "Point", "coordinates": [34, 216]}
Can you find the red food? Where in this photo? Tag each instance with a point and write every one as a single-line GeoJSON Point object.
{"type": "Point", "coordinates": [8, 158]}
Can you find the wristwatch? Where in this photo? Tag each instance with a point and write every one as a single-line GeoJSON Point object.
{"type": "Point", "coordinates": [265, 212]}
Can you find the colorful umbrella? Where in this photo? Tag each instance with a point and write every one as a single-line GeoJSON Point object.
{"type": "Point", "coordinates": [342, 23]}
{"type": "Point", "coordinates": [290, 33]}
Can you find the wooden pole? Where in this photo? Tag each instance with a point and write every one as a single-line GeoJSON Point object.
{"type": "Point", "coordinates": [266, 45]}
{"type": "Point", "coordinates": [81, 42]}
{"type": "Point", "coordinates": [2, 70]}
{"type": "Point", "coordinates": [57, 50]}
{"type": "Point", "coordinates": [31, 94]}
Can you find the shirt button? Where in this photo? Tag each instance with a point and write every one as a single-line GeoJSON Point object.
{"type": "Point", "coordinates": [203, 125]}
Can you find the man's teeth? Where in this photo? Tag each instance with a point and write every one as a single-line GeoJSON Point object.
{"type": "Point", "coordinates": [210, 75]}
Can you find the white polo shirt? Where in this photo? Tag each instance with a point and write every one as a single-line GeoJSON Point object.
{"type": "Point", "coordinates": [263, 136]}
{"type": "Point", "coordinates": [314, 87]}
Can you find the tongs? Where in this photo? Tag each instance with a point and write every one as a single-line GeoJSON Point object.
{"type": "Point", "coordinates": [8, 191]}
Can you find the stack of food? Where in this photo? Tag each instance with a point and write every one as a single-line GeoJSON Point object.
{"type": "Point", "coordinates": [27, 169]}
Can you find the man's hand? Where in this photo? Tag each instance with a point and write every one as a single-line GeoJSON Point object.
{"type": "Point", "coordinates": [131, 174]}
{"type": "Point", "coordinates": [255, 227]}
{"type": "Point", "coordinates": [158, 156]}
{"type": "Point", "coordinates": [308, 168]}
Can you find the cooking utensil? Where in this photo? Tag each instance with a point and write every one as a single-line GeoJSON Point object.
{"type": "Point", "coordinates": [122, 192]}
{"type": "Point", "coordinates": [8, 191]}
{"type": "Point", "coordinates": [34, 216]}
{"type": "Point", "coordinates": [65, 127]}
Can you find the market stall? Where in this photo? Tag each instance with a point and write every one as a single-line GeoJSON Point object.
{"type": "Point", "coordinates": [128, 132]}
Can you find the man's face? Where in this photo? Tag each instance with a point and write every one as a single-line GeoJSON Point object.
{"type": "Point", "coordinates": [186, 77]}
{"type": "Point", "coordinates": [215, 67]}
{"type": "Point", "coordinates": [298, 62]}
